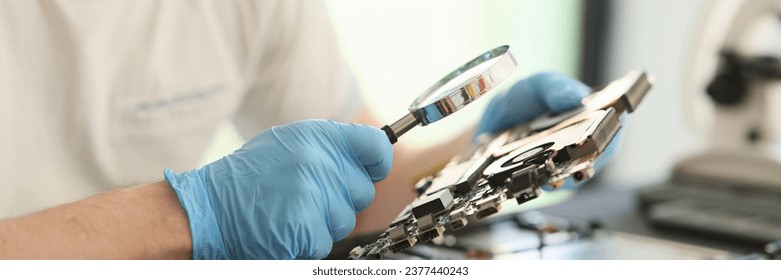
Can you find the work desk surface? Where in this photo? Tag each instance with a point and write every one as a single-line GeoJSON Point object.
{"type": "Point", "coordinates": [618, 209]}
{"type": "Point", "coordinates": [615, 209]}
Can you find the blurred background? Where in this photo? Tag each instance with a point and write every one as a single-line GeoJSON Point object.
{"type": "Point", "coordinates": [398, 48]}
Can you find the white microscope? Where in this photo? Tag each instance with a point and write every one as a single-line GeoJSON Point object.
{"type": "Point", "coordinates": [733, 188]}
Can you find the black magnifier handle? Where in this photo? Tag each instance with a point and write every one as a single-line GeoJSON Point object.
{"type": "Point", "coordinates": [398, 128]}
{"type": "Point", "coordinates": [391, 134]}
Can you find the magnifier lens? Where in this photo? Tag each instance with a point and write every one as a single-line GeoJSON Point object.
{"type": "Point", "coordinates": [460, 79]}
{"type": "Point", "coordinates": [456, 90]}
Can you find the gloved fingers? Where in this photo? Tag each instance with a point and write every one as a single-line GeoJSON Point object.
{"type": "Point", "coordinates": [517, 105]}
{"type": "Point", "coordinates": [529, 98]}
{"type": "Point", "coordinates": [371, 147]}
{"type": "Point", "coordinates": [558, 91]}
{"type": "Point", "coordinates": [361, 190]}
{"type": "Point", "coordinates": [488, 121]}
{"type": "Point", "coordinates": [342, 219]}
{"type": "Point", "coordinates": [320, 242]}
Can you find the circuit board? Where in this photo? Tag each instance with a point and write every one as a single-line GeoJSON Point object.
{"type": "Point", "coordinates": [514, 164]}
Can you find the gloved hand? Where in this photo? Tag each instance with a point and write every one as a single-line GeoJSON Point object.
{"type": "Point", "coordinates": [288, 193]}
{"type": "Point", "coordinates": [535, 96]}
{"type": "Point", "coordinates": [529, 98]}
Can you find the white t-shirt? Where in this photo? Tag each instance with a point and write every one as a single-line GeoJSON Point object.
{"type": "Point", "coordinates": [102, 94]}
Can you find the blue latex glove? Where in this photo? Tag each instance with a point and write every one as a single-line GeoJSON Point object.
{"type": "Point", "coordinates": [535, 96]}
{"type": "Point", "coordinates": [529, 98]}
{"type": "Point", "coordinates": [288, 193]}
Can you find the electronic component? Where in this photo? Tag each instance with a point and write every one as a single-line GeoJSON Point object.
{"type": "Point", "coordinates": [514, 164]}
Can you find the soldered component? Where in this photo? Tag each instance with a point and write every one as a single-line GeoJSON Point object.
{"type": "Point", "coordinates": [432, 204]}
{"type": "Point", "coordinates": [489, 205]}
{"type": "Point", "coordinates": [400, 238]}
{"type": "Point", "coordinates": [429, 228]}
{"type": "Point", "coordinates": [458, 219]}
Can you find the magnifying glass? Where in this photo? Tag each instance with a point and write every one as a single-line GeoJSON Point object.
{"type": "Point", "coordinates": [456, 90]}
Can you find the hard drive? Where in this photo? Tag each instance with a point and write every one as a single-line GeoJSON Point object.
{"type": "Point", "coordinates": [514, 164]}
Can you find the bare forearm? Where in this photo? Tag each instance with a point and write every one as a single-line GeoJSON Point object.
{"type": "Point", "coordinates": [142, 222]}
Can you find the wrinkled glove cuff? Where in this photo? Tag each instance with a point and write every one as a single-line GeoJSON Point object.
{"type": "Point", "coordinates": [205, 231]}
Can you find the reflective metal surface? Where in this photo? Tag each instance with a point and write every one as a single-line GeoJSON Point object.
{"type": "Point", "coordinates": [456, 90]}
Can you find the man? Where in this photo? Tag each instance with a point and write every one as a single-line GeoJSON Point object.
{"type": "Point", "coordinates": [101, 94]}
